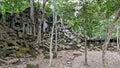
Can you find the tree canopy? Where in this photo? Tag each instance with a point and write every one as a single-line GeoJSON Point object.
{"type": "Point", "coordinates": [91, 17]}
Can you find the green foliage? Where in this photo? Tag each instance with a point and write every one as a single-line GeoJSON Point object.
{"type": "Point", "coordinates": [13, 6]}
{"type": "Point", "coordinates": [93, 16]}
{"type": "Point", "coordinates": [48, 10]}
{"type": "Point", "coordinates": [108, 7]}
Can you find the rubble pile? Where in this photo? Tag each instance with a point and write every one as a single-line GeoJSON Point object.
{"type": "Point", "coordinates": [16, 38]}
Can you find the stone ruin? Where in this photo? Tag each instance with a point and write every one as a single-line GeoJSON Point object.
{"type": "Point", "coordinates": [14, 33]}
{"type": "Point", "coordinates": [19, 25]}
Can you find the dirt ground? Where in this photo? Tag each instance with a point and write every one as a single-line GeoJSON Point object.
{"type": "Point", "coordinates": [74, 59]}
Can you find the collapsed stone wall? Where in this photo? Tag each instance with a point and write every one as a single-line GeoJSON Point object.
{"type": "Point", "coordinates": [13, 39]}
{"type": "Point", "coordinates": [9, 36]}
{"type": "Point", "coordinates": [21, 21]}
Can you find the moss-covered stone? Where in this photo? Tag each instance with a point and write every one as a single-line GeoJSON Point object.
{"type": "Point", "coordinates": [19, 34]}
{"type": "Point", "coordinates": [25, 43]}
{"type": "Point", "coordinates": [11, 42]}
{"type": "Point", "coordinates": [14, 43]}
{"type": "Point", "coordinates": [24, 49]}
{"type": "Point", "coordinates": [32, 66]}
{"type": "Point", "coordinates": [18, 54]}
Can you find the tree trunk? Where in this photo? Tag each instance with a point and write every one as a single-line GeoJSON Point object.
{"type": "Point", "coordinates": [54, 22]}
{"type": "Point", "coordinates": [117, 34]}
{"type": "Point", "coordinates": [56, 44]}
{"type": "Point", "coordinates": [40, 23]}
{"type": "Point", "coordinates": [32, 16]}
{"type": "Point", "coordinates": [104, 58]}
{"type": "Point", "coordinates": [86, 64]}
{"type": "Point", "coordinates": [109, 34]}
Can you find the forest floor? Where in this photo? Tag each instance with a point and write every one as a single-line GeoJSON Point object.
{"type": "Point", "coordinates": [72, 59]}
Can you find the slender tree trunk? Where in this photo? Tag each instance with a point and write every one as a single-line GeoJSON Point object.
{"type": "Point", "coordinates": [56, 44]}
{"type": "Point", "coordinates": [104, 58]}
{"type": "Point", "coordinates": [40, 23]}
{"type": "Point", "coordinates": [32, 16]}
{"type": "Point", "coordinates": [117, 38]}
{"type": "Point", "coordinates": [39, 33]}
{"type": "Point", "coordinates": [86, 64]}
{"type": "Point", "coordinates": [109, 34]}
{"type": "Point", "coordinates": [54, 22]}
